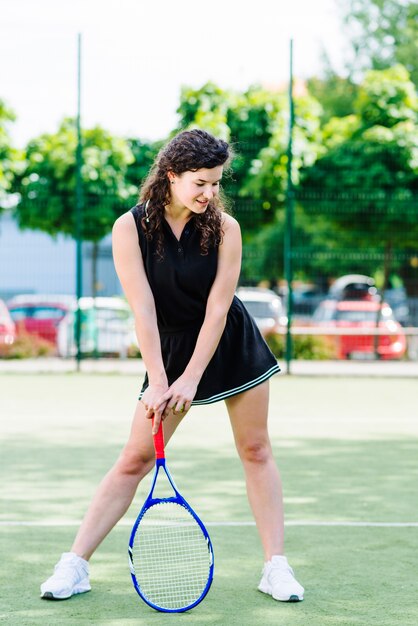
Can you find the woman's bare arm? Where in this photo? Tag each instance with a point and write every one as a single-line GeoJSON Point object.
{"type": "Point", "coordinates": [130, 269]}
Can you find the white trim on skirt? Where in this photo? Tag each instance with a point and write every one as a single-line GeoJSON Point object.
{"type": "Point", "coordinates": [232, 392]}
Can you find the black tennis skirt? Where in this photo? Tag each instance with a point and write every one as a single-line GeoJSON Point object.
{"type": "Point", "coordinates": [241, 361]}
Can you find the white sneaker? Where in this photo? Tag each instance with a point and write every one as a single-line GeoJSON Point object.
{"type": "Point", "coordinates": [71, 576]}
{"type": "Point", "coordinates": [279, 581]}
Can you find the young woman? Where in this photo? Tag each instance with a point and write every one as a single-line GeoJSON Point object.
{"type": "Point", "coordinates": [178, 255]}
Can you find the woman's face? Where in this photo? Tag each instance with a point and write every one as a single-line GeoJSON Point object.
{"type": "Point", "coordinates": [193, 190]}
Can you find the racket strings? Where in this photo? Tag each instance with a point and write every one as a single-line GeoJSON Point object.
{"type": "Point", "coordinates": [171, 556]}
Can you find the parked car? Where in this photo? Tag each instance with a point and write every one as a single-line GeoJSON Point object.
{"type": "Point", "coordinates": [7, 326]}
{"type": "Point", "coordinates": [39, 315]}
{"type": "Point", "coordinates": [265, 306]}
{"type": "Point", "coordinates": [107, 328]}
{"type": "Point", "coordinates": [362, 315]}
{"type": "Point", "coordinates": [397, 299]}
{"type": "Point", "coordinates": [305, 300]}
{"type": "Point", "coordinates": [354, 287]}
{"type": "Point", "coordinates": [361, 287]}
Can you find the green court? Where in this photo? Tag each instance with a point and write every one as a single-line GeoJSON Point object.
{"type": "Point", "coordinates": [347, 449]}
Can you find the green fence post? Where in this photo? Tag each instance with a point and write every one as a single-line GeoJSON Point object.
{"type": "Point", "coordinates": [79, 211]}
{"type": "Point", "coordinates": [289, 220]}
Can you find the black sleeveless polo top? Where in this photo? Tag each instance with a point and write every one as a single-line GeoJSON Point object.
{"type": "Point", "coordinates": [181, 284]}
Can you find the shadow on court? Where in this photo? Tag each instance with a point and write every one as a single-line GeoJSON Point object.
{"type": "Point", "coordinates": [334, 470]}
{"type": "Point", "coordinates": [344, 570]}
{"type": "Point", "coordinates": [324, 479]}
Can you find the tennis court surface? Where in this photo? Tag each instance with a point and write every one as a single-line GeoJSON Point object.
{"type": "Point", "coordinates": [348, 453]}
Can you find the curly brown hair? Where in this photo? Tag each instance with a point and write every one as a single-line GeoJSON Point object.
{"type": "Point", "coordinates": [188, 151]}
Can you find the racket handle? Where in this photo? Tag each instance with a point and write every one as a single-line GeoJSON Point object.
{"type": "Point", "coordinates": [159, 442]}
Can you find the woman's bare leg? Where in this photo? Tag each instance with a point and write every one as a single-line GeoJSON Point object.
{"type": "Point", "coordinates": [116, 491]}
{"type": "Point", "coordinates": [248, 415]}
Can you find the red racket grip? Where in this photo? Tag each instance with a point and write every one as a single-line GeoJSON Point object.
{"type": "Point", "coordinates": [159, 441]}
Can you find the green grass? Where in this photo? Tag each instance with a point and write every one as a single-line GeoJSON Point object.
{"type": "Point", "coordinates": [347, 450]}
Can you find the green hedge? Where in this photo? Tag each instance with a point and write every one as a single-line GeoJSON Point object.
{"type": "Point", "coordinates": [27, 346]}
{"type": "Point", "coordinates": [306, 347]}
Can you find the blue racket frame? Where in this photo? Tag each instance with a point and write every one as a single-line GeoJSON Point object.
{"type": "Point", "coordinates": [160, 464]}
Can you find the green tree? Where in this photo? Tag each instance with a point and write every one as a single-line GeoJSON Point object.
{"type": "Point", "coordinates": [268, 174]}
{"type": "Point", "coordinates": [205, 108]}
{"type": "Point", "coordinates": [382, 33]}
{"type": "Point", "coordinates": [336, 94]}
{"type": "Point", "coordinates": [48, 182]}
{"type": "Point", "coordinates": [255, 118]}
{"type": "Point", "coordinates": [144, 154]}
{"type": "Point", "coordinates": [8, 154]}
{"type": "Point", "coordinates": [387, 98]}
{"type": "Point", "coordinates": [366, 185]}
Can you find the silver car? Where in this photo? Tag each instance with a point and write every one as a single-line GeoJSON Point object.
{"type": "Point", "coordinates": [266, 308]}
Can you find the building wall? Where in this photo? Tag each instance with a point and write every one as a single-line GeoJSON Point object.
{"type": "Point", "coordinates": [34, 262]}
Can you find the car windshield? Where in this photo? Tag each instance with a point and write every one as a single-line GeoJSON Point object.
{"type": "Point", "coordinates": [112, 314]}
{"type": "Point", "coordinates": [324, 314]}
{"type": "Point", "coordinates": [361, 316]}
{"type": "Point", "coordinates": [259, 308]}
{"type": "Point", "coordinates": [38, 313]}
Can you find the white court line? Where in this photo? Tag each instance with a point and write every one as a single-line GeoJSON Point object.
{"type": "Point", "coordinates": [344, 524]}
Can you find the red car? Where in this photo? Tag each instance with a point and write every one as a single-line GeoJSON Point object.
{"type": "Point", "coordinates": [7, 326]}
{"type": "Point", "coordinates": [38, 318]}
{"type": "Point", "coordinates": [350, 315]}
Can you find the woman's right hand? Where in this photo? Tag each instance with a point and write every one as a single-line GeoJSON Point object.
{"type": "Point", "coordinates": [150, 399]}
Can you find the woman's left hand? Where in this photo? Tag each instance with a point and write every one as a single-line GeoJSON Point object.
{"type": "Point", "coordinates": [179, 396]}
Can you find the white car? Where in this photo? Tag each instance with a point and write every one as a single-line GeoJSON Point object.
{"type": "Point", "coordinates": [265, 306]}
{"type": "Point", "coordinates": [107, 328]}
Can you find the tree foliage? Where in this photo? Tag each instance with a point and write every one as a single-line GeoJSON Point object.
{"type": "Point", "coordinates": [205, 108]}
{"type": "Point", "coordinates": [336, 94]}
{"type": "Point", "coordinates": [143, 154]}
{"type": "Point", "coordinates": [366, 184]}
{"type": "Point", "coordinates": [48, 182]}
{"type": "Point", "coordinates": [8, 154]}
{"type": "Point", "coordinates": [382, 33]}
{"type": "Point", "coordinates": [386, 98]}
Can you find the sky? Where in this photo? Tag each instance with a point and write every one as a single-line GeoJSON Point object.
{"type": "Point", "coordinates": [137, 54]}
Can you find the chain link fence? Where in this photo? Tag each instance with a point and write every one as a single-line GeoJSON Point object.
{"type": "Point", "coordinates": [353, 230]}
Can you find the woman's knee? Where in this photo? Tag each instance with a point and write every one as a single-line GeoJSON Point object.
{"type": "Point", "coordinates": [135, 462]}
{"type": "Point", "coordinates": [255, 452]}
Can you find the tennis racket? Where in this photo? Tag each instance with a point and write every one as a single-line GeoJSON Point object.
{"type": "Point", "coordinates": [170, 551]}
